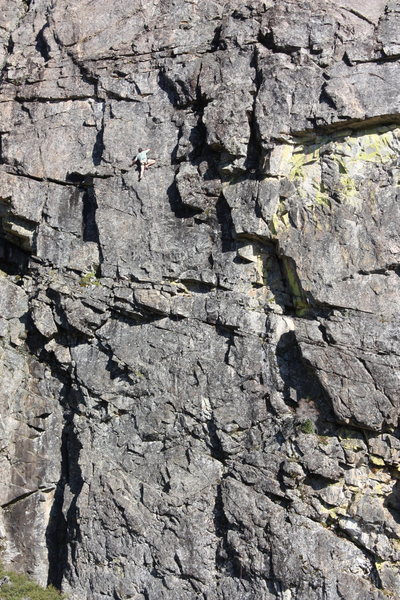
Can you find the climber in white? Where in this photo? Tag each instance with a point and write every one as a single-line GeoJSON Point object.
{"type": "Point", "coordinates": [142, 161]}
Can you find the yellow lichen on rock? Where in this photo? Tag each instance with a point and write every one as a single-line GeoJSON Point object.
{"type": "Point", "coordinates": [350, 156]}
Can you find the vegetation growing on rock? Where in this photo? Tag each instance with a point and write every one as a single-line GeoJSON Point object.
{"type": "Point", "coordinates": [17, 586]}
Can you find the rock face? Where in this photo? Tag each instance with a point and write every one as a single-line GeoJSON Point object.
{"type": "Point", "coordinates": [200, 370]}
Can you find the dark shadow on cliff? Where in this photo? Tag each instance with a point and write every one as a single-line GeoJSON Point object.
{"type": "Point", "coordinates": [302, 390]}
{"type": "Point", "coordinates": [13, 260]}
{"type": "Point", "coordinates": [282, 278]}
{"type": "Point", "coordinates": [63, 529]}
{"type": "Point", "coordinates": [226, 225]}
{"type": "Point", "coordinates": [392, 502]}
{"type": "Point", "coordinates": [227, 558]}
{"type": "Point", "coordinates": [255, 152]}
{"type": "Point", "coordinates": [180, 210]}
{"type": "Point", "coordinates": [98, 147]}
{"type": "Point", "coordinates": [90, 230]}
{"type": "Point", "coordinates": [42, 45]}
{"type": "Point", "coordinates": [177, 91]}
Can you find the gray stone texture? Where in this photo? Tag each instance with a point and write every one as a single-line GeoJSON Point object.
{"type": "Point", "coordinates": [200, 370]}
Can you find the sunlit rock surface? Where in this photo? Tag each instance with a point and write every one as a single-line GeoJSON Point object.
{"type": "Point", "coordinates": [200, 370]}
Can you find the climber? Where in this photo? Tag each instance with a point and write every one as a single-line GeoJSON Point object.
{"type": "Point", "coordinates": [142, 161]}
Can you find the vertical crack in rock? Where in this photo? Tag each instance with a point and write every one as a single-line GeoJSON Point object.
{"type": "Point", "coordinates": [216, 449]}
{"type": "Point", "coordinates": [255, 152]}
{"type": "Point", "coordinates": [221, 524]}
{"type": "Point", "coordinates": [10, 45]}
{"type": "Point", "coordinates": [63, 534]}
{"type": "Point", "coordinates": [227, 227]}
{"type": "Point", "coordinates": [98, 148]}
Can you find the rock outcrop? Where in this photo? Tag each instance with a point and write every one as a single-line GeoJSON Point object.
{"type": "Point", "coordinates": [200, 370]}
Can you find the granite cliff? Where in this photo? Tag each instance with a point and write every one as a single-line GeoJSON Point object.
{"type": "Point", "coordinates": [200, 370]}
